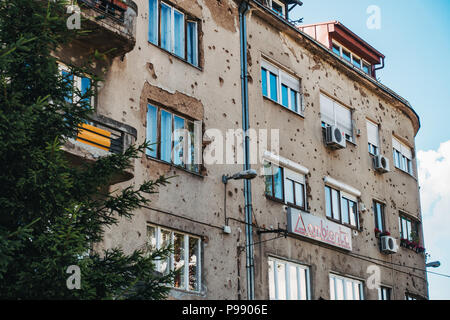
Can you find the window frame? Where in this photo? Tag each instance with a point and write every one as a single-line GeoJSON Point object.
{"type": "Point", "coordinates": [363, 63]}
{"type": "Point", "coordinates": [343, 196]}
{"type": "Point", "coordinates": [373, 149]}
{"type": "Point", "coordinates": [283, 78]}
{"type": "Point", "coordinates": [384, 293]}
{"type": "Point", "coordinates": [187, 18]}
{"type": "Point", "coordinates": [336, 104]}
{"type": "Point", "coordinates": [77, 84]}
{"type": "Point", "coordinates": [413, 224]}
{"type": "Point", "coordinates": [186, 147]}
{"type": "Point", "coordinates": [171, 259]}
{"type": "Point", "coordinates": [344, 280]}
{"type": "Point", "coordinates": [306, 281]}
{"type": "Point", "coordinates": [402, 161]}
{"type": "Point", "coordinates": [383, 215]}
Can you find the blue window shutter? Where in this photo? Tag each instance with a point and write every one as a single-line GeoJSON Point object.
{"type": "Point", "coordinates": [152, 133]}
{"type": "Point", "coordinates": [153, 21]}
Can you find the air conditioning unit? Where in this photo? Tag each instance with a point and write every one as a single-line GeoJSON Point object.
{"type": "Point", "coordinates": [388, 245]}
{"type": "Point", "coordinates": [335, 138]}
{"type": "Point", "coordinates": [381, 164]}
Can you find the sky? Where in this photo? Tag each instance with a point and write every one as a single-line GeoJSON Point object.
{"type": "Point", "coordinates": [413, 35]}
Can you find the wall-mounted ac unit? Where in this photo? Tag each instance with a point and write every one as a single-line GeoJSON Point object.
{"type": "Point", "coordinates": [388, 245]}
{"type": "Point", "coordinates": [335, 138]}
{"type": "Point", "coordinates": [381, 164]}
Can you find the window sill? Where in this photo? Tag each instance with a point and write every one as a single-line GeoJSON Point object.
{"type": "Point", "coordinates": [286, 204]}
{"type": "Point", "coordinates": [172, 166]}
{"type": "Point", "coordinates": [301, 115]}
{"type": "Point", "coordinates": [175, 56]}
{"type": "Point", "coordinates": [184, 291]}
{"type": "Point", "coordinates": [344, 225]}
{"type": "Point", "coordinates": [405, 172]}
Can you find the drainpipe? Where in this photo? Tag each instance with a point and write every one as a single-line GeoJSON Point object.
{"type": "Point", "coordinates": [243, 9]}
{"type": "Point", "coordinates": [379, 68]}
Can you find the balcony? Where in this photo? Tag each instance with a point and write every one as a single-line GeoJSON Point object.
{"type": "Point", "coordinates": [113, 25]}
{"type": "Point", "coordinates": [99, 137]}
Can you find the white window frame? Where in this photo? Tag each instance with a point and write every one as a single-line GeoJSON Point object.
{"type": "Point", "coordinates": [283, 78]}
{"type": "Point", "coordinates": [362, 61]}
{"type": "Point", "coordinates": [297, 178]}
{"type": "Point", "coordinates": [158, 263]}
{"type": "Point", "coordinates": [287, 265]}
{"type": "Point", "coordinates": [283, 6]}
{"type": "Point", "coordinates": [336, 105]}
{"type": "Point", "coordinates": [371, 123]}
{"type": "Point", "coordinates": [406, 155]}
{"type": "Point", "coordinates": [345, 280]}
{"type": "Point", "coordinates": [381, 294]}
{"type": "Point", "coordinates": [76, 83]}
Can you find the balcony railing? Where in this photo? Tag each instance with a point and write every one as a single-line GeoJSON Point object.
{"type": "Point", "coordinates": [106, 134]}
{"type": "Point", "coordinates": [114, 9]}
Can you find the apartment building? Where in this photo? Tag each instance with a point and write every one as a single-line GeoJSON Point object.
{"type": "Point", "coordinates": [335, 203]}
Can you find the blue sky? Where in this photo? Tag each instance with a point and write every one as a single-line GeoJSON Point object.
{"type": "Point", "coordinates": [414, 38]}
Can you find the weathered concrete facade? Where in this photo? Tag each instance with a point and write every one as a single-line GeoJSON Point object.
{"type": "Point", "coordinates": [194, 203]}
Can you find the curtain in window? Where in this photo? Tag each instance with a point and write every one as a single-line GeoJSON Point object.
{"type": "Point", "coordinates": [178, 145]}
{"type": "Point", "coordinates": [153, 21]}
{"type": "Point", "coordinates": [166, 27]}
{"type": "Point", "coordinates": [192, 54]}
{"type": "Point", "coordinates": [152, 130]}
{"type": "Point", "coordinates": [179, 34]}
{"type": "Point", "coordinates": [166, 136]}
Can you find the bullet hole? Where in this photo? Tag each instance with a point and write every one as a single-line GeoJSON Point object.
{"type": "Point", "coordinates": [221, 81]}
{"type": "Point", "coordinates": [224, 115]}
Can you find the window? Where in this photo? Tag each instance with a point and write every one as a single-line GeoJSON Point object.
{"type": "Point", "coordinates": [281, 87]}
{"type": "Point", "coordinates": [274, 181]}
{"type": "Point", "coordinates": [409, 296]}
{"type": "Point", "coordinates": [186, 256]}
{"type": "Point", "coordinates": [341, 207]}
{"type": "Point", "coordinates": [285, 185]}
{"type": "Point", "coordinates": [288, 281]}
{"type": "Point", "coordinates": [384, 293]}
{"type": "Point", "coordinates": [173, 31]}
{"type": "Point", "coordinates": [379, 213]}
{"type": "Point", "coordinates": [277, 6]}
{"type": "Point", "coordinates": [402, 156]}
{"type": "Point", "coordinates": [175, 136]}
{"type": "Point", "coordinates": [335, 114]}
{"type": "Point", "coordinates": [409, 229]}
{"type": "Point", "coordinates": [373, 137]}
{"type": "Point", "coordinates": [80, 86]}
{"type": "Point", "coordinates": [345, 288]}
{"type": "Point", "coordinates": [351, 57]}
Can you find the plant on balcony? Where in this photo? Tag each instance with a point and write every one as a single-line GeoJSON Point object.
{"type": "Point", "coordinates": [121, 4]}
{"type": "Point", "coordinates": [385, 234]}
{"type": "Point", "coordinates": [377, 232]}
{"type": "Point", "coordinates": [53, 214]}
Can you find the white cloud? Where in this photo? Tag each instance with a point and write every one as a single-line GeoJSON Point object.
{"type": "Point", "coordinates": [434, 179]}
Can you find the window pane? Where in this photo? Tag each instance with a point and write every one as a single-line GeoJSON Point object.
{"type": "Point", "coordinates": [404, 228]}
{"type": "Point", "coordinates": [166, 136]}
{"type": "Point", "coordinates": [191, 159]}
{"type": "Point", "coordinates": [85, 87]}
{"type": "Point", "coordinates": [151, 238]}
{"type": "Point", "coordinates": [346, 55]}
{"type": "Point", "coordinates": [289, 188]}
{"type": "Point", "coordinates": [278, 183]}
{"type": "Point", "coordinates": [294, 102]}
{"type": "Point", "coordinates": [336, 204]}
{"type": "Point", "coordinates": [269, 178]}
{"type": "Point", "coordinates": [410, 238]}
{"type": "Point", "coordinates": [192, 52]}
{"type": "Point", "coordinates": [178, 33]}
{"type": "Point", "coordinates": [178, 145]}
{"type": "Point", "coordinates": [273, 87]}
{"type": "Point", "coordinates": [153, 21]}
{"type": "Point", "coordinates": [271, 280]}
{"type": "Point", "coordinates": [194, 261]}
{"type": "Point", "coordinates": [357, 287]}
{"type": "Point", "coordinates": [349, 290]}
{"type": "Point", "coordinates": [366, 68]}
{"type": "Point", "coordinates": [328, 202]}
{"type": "Point", "coordinates": [345, 211]}
{"type": "Point", "coordinates": [293, 283]}
{"type": "Point", "coordinates": [303, 287]}
{"type": "Point", "coordinates": [299, 195]}
{"type": "Point", "coordinates": [281, 280]}
{"type": "Point", "coordinates": [332, 289]}
{"type": "Point", "coordinates": [284, 96]}
{"type": "Point", "coordinates": [152, 130]}
{"type": "Point", "coordinates": [68, 81]}
{"type": "Point", "coordinates": [277, 8]}
{"type": "Point", "coordinates": [353, 213]}
{"type": "Point", "coordinates": [165, 242]}
{"type": "Point", "coordinates": [179, 260]}
{"type": "Point", "coordinates": [357, 62]}
{"type": "Point", "coordinates": [339, 289]}
{"type": "Point", "coordinates": [264, 82]}
{"type": "Point", "coordinates": [166, 27]}
{"type": "Point", "coordinates": [336, 49]}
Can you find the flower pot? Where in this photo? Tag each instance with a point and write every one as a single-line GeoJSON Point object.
{"type": "Point", "coordinates": [120, 4]}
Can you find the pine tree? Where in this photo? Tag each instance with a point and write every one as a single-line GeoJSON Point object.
{"type": "Point", "coordinates": [51, 213]}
